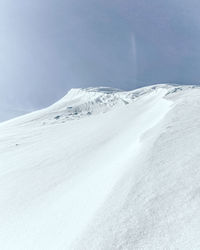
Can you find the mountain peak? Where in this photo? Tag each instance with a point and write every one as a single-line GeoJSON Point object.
{"type": "Point", "coordinates": [84, 102]}
{"type": "Point", "coordinates": [101, 89]}
{"type": "Point", "coordinates": [127, 179]}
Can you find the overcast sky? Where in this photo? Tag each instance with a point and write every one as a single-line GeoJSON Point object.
{"type": "Point", "coordinates": [48, 47]}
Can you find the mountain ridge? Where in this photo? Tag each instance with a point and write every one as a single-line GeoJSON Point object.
{"type": "Point", "coordinates": [83, 102]}
{"type": "Point", "coordinates": [127, 178]}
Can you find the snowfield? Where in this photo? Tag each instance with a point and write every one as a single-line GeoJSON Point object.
{"type": "Point", "coordinates": [103, 169]}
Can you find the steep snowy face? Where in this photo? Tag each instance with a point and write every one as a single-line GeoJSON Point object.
{"type": "Point", "coordinates": [103, 169]}
{"type": "Point", "coordinates": [82, 103]}
{"type": "Point", "coordinates": [79, 103]}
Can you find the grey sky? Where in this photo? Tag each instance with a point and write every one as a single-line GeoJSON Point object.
{"type": "Point", "coordinates": [48, 47]}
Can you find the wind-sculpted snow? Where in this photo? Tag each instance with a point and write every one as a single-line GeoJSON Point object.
{"type": "Point", "coordinates": [103, 169]}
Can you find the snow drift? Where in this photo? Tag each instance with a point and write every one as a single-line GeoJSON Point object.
{"type": "Point", "coordinates": [103, 169]}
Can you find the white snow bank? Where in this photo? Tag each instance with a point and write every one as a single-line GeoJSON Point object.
{"type": "Point", "coordinates": [125, 176]}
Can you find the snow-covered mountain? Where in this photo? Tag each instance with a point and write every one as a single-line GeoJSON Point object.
{"type": "Point", "coordinates": [103, 169]}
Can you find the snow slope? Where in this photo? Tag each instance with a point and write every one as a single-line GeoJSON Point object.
{"type": "Point", "coordinates": [103, 169]}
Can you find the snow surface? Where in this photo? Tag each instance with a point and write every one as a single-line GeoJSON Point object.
{"type": "Point", "coordinates": [103, 169]}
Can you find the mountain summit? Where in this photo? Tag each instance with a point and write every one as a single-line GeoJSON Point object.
{"type": "Point", "coordinates": [103, 169]}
